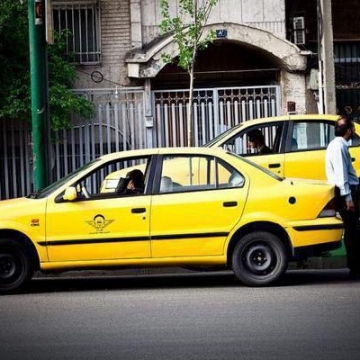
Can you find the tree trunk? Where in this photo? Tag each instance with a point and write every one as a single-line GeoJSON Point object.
{"type": "Point", "coordinates": [190, 140]}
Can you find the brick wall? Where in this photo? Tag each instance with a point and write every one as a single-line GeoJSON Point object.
{"type": "Point", "coordinates": [115, 43]}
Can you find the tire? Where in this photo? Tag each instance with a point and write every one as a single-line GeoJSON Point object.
{"type": "Point", "coordinates": [259, 259]}
{"type": "Point", "coordinates": [15, 267]}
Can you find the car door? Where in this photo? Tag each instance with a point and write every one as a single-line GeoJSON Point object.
{"type": "Point", "coordinates": [194, 218]}
{"type": "Point", "coordinates": [307, 141]}
{"type": "Point", "coordinates": [100, 226]}
{"type": "Point", "coordinates": [274, 134]}
{"type": "Point", "coordinates": [354, 148]}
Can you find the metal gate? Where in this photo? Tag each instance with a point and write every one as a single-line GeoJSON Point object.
{"type": "Point", "coordinates": [118, 125]}
{"type": "Point", "coordinates": [215, 110]}
{"type": "Point", "coordinates": [15, 159]}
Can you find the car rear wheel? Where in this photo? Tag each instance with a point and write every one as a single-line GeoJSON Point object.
{"type": "Point", "coordinates": [259, 259]}
{"type": "Point", "coordinates": [15, 267]}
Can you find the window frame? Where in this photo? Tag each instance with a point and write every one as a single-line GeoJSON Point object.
{"type": "Point", "coordinates": [281, 141]}
{"type": "Point", "coordinates": [159, 167]}
{"type": "Point", "coordinates": [91, 7]}
{"type": "Point", "coordinates": [323, 121]}
{"type": "Point", "coordinates": [148, 179]}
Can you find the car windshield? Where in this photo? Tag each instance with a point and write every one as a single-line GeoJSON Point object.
{"type": "Point", "coordinates": [39, 194]}
{"type": "Point", "coordinates": [266, 171]}
{"type": "Point", "coordinates": [218, 138]}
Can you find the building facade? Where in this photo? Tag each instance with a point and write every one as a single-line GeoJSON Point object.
{"type": "Point", "coordinates": [270, 57]}
{"type": "Point", "coordinates": [343, 51]}
{"type": "Point", "coordinates": [118, 43]}
{"type": "Point", "coordinates": [260, 42]}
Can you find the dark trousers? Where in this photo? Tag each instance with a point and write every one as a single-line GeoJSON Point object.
{"type": "Point", "coordinates": [351, 232]}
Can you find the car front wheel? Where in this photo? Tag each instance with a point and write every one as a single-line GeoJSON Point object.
{"type": "Point", "coordinates": [259, 259]}
{"type": "Point", "coordinates": [15, 268]}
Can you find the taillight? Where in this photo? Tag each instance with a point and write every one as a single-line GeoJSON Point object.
{"type": "Point", "coordinates": [329, 210]}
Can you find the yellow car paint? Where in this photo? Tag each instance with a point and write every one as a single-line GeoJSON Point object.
{"type": "Point", "coordinates": [191, 225]}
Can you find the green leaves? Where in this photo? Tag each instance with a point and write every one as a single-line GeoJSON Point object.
{"type": "Point", "coordinates": [15, 97]}
{"type": "Point", "coordinates": [63, 102]}
{"type": "Point", "coordinates": [187, 29]}
{"type": "Point", "coordinates": [14, 64]}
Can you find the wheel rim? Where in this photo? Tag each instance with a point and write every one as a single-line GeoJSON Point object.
{"type": "Point", "coordinates": [10, 268]}
{"type": "Point", "coordinates": [259, 259]}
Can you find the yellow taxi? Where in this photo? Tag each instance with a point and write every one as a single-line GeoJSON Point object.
{"type": "Point", "coordinates": [297, 144]}
{"type": "Point", "coordinates": [254, 222]}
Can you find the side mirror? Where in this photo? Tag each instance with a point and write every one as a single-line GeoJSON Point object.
{"type": "Point", "coordinates": [70, 194]}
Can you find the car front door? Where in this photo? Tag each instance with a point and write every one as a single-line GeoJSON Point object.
{"type": "Point", "coordinates": [274, 136]}
{"type": "Point", "coordinates": [193, 217]}
{"type": "Point", "coordinates": [99, 225]}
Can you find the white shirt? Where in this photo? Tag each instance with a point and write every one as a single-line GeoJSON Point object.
{"type": "Point", "coordinates": [339, 169]}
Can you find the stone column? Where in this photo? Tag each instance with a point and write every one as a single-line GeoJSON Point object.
{"type": "Point", "coordinates": [135, 20]}
{"type": "Point", "coordinates": [149, 116]}
{"type": "Point", "coordinates": [326, 56]}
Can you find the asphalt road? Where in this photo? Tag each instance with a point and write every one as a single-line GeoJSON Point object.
{"type": "Point", "coordinates": [312, 314]}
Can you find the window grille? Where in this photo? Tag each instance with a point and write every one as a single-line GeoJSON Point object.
{"type": "Point", "coordinates": [82, 20]}
{"type": "Point", "coordinates": [299, 30]}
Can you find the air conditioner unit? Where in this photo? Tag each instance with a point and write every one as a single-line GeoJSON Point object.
{"type": "Point", "coordinates": [299, 30]}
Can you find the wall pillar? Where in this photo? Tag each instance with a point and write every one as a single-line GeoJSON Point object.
{"type": "Point", "coordinates": [326, 58]}
{"type": "Point", "coordinates": [148, 113]}
{"type": "Point", "coordinates": [135, 20]}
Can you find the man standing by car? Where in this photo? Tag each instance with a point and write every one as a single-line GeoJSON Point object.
{"type": "Point", "coordinates": [341, 173]}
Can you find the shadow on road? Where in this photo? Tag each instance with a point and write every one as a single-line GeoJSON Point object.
{"type": "Point", "coordinates": [80, 282]}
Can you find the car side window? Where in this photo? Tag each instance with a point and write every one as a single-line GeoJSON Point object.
{"type": "Point", "coordinates": [355, 141]}
{"type": "Point", "coordinates": [185, 173]}
{"type": "Point", "coordinates": [260, 140]}
{"type": "Point", "coordinates": [116, 178]}
{"type": "Point", "coordinates": [311, 135]}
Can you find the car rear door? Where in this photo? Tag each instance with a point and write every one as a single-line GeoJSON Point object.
{"type": "Point", "coordinates": [194, 218]}
{"type": "Point", "coordinates": [306, 145]}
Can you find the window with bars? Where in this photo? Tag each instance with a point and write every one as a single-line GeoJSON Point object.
{"type": "Point", "coordinates": [347, 77]}
{"type": "Point", "coordinates": [347, 62]}
{"type": "Point", "coordinates": [82, 21]}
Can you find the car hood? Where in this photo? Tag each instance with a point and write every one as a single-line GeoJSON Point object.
{"type": "Point", "coordinates": [19, 206]}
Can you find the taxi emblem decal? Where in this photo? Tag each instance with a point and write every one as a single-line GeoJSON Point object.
{"type": "Point", "coordinates": [99, 223]}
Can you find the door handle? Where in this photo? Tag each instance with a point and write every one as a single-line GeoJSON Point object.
{"type": "Point", "coordinates": [138, 210]}
{"type": "Point", "coordinates": [273, 166]}
{"type": "Point", "coordinates": [230, 203]}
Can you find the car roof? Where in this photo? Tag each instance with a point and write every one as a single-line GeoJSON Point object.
{"type": "Point", "coordinates": [263, 121]}
{"type": "Point", "coordinates": [307, 117]}
{"type": "Point", "coordinates": [159, 151]}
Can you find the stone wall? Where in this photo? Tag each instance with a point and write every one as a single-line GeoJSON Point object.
{"type": "Point", "coordinates": [115, 44]}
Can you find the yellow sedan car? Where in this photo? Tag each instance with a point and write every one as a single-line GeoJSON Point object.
{"type": "Point", "coordinates": [254, 222]}
{"type": "Point", "coordinates": [297, 144]}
